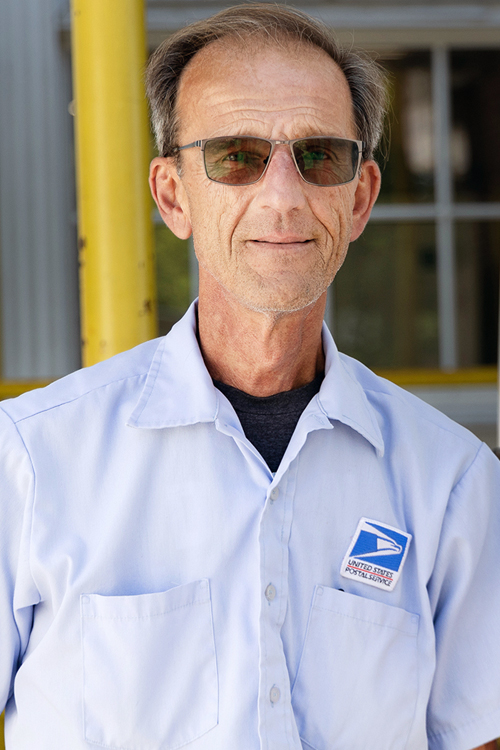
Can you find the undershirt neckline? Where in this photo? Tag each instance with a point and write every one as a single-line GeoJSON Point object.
{"type": "Point", "coordinates": [269, 421]}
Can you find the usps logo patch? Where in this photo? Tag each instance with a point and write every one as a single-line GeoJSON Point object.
{"type": "Point", "coordinates": [376, 554]}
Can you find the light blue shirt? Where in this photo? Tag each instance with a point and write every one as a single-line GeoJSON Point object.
{"type": "Point", "coordinates": [161, 589]}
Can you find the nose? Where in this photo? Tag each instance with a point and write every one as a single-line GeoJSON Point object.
{"type": "Point", "coordinates": [281, 188]}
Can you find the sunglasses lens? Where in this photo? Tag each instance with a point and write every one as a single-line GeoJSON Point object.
{"type": "Point", "coordinates": [242, 161]}
{"type": "Point", "coordinates": [326, 161]}
{"type": "Point", "coordinates": [236, 161]}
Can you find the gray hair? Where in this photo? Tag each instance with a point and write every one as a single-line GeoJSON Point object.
{"type": "Point", "coordinates": [272, 23]}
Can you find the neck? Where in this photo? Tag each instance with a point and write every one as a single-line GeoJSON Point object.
{"type": "Point", "coordinates": [259, 353]}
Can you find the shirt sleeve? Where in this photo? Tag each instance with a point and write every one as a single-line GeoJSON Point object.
{"type": "Point", "coordinates": [464, 709]}
{"type": "Point", "coordinates": [17, 590]}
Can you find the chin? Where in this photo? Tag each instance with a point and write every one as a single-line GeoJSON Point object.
{"type": "Point", "coordinates": [279, 303]}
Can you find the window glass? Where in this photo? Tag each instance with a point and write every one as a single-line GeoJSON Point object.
{"type": "Point", "coordinates": [172, 277]}
{"type": "Point", "coordinates": [478, 255]}
{"type": "Point", "coordinates": [476, 124]}
{"type": "Point", "coordinates": [408, 173]}
{"type": "Point", "coordinates": [385, 297]}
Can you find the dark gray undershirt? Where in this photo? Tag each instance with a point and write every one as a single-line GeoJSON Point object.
{"type": "Point", "coordinates": [269, 422]}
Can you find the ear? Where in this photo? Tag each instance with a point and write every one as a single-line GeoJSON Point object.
{"type": "Point", "coordinates": [367, 190]}
{"type": "Point", "coordinates": [169, 195]}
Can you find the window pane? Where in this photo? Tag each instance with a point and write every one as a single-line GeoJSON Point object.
{"type": "Point", "coordinates": [478, 256]}
{"type": "Point", "coordinates": [408, 173]}
{"type": "Point", "coordinates": [172, 277]}
{"type": "Point", "coordinates": [385, 297]}
{"type": "Point", "coordinates": [476, 124]}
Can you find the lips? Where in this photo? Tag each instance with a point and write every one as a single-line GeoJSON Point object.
{"type": "Point", "coordinates": [283, 239]}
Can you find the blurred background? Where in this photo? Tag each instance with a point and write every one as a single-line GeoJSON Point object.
{"type": "Point", "coordinates": [87, 268]}
{"type": "Point", "coordinates": [417, 298]}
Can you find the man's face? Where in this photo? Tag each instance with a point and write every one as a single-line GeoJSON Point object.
{"type": "Point", "coordinates": [275, 245]}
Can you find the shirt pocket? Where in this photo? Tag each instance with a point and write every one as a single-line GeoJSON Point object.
{"type": "Point", "coordinates": [149, 668]}
{"type": "Point", "coordinates": [357, 682]}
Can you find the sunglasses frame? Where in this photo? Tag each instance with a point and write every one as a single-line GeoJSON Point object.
{"type": "Point", "coordinates": [274, 142]}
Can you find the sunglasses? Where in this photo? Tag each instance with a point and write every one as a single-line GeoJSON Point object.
{"type": "Point", "coordinates": [243, 160]}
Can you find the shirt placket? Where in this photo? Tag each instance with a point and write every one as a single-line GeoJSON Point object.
{"type": "Point", "coordinates": [277, 728]}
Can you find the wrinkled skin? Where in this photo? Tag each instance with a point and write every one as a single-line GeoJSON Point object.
{"type": "Point", "coordinates": [275, 245]}
{"type": "Point", "coordinates": [267, 251]}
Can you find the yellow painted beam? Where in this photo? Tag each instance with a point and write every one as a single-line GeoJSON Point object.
{"type": "Point", "coordinates": [418, 376]}
{"type": "Point", "coordinates": [118, 307]}
{"type": "Point", "coordinates": [427, 376]}
{"type": "Point", "coordinates": [2, 744]}
{"type": "Point", "coordinates": [13, 388]}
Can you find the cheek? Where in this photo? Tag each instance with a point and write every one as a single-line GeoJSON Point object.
{"type": "Point", "coordinates": [204, 212]}
{"type": "Point", "coordinates": [346, 228]}
{"type": "Point", "coordinates": [339, 221]}
{"type": "Point", "coordinates": [214, 218]}
{"type": "Point", "coordinates": [219, 214]}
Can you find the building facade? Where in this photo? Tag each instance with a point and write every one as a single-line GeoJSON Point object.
{"type": "Point", "coordinates": [417, 298]}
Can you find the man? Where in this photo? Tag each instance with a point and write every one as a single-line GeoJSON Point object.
{"type": "Point", "coordinates": [235, 537]}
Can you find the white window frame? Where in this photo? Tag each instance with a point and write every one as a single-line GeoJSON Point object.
{"type": "Point", "coordinates": [443, 210]}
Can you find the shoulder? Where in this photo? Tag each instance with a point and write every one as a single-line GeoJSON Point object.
{"type": "Point", "coordinates": [397, 405]}
{"type": "Point", "coordinates": [419, 441]}
{"type": "Point", "coordinates": [123, 372]}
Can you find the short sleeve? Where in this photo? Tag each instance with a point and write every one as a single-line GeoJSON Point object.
{"type": "Point", "coordinates": [17, 590]}
{"type": "Point", "coordinates": [464, 708]}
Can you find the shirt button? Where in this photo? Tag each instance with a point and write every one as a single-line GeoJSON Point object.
{"type": "Point", "coordinates": [275, 493]}
{"type": "Point", "coordinates": [270, 592]}
{"type": "Point", "coordinates": [274, 694]}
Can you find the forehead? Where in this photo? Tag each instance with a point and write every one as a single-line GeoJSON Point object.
{"type": "Point", "coordinates": [263, 89]}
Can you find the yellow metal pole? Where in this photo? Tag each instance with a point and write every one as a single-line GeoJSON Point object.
{"type": "Point", "coordinates": [117, 289]}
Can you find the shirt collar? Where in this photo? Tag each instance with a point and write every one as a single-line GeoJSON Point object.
{"type": "Point", "coordinates": [342, 397]}
{"type": "Point", "coordinates": [179, 390]}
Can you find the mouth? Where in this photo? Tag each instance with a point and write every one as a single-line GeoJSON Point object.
{"type": "Point", "coordinates": [281, 243]}
{"type": "Point", "coordinates": [279, 239]}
